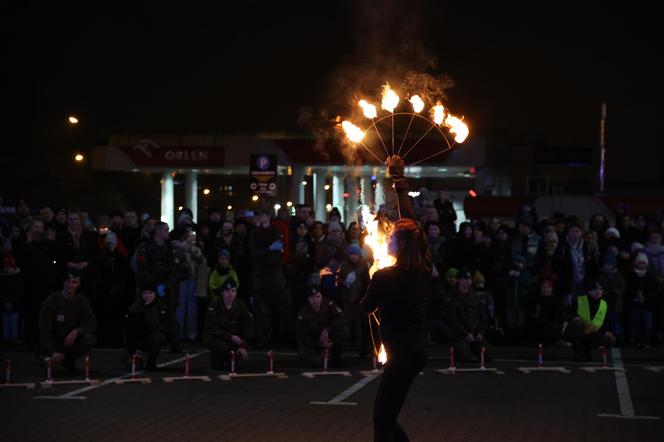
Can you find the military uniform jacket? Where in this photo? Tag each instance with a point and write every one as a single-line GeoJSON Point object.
{"type": "Point", "coordinates": [59, 316]}
{"type": "Point", "coordinates": [310, 323]}
{"type": "Point", "coordinates": [154, 315]}
{"type": "Point", "coordinates": [466, 313]}
{"type": "Point", "coordinates": [222, 323]}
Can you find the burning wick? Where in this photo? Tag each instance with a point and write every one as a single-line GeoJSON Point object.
{"type": "Point", "coordinates": [382, 355]}
{"type": "Point", "coordinates": [390, 98]}
{"type": "Point", "coordinates": [368, 109]}
{"type": "Point", "coordinates": [417, 103]}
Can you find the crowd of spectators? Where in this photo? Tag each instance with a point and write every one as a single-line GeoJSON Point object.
{"type": "Point", "coordinates": [235, 280]}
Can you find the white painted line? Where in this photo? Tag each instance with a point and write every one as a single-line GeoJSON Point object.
{"type": "Point", "coordinates": [229, 376]}
{"type": "Point", "coordinates": [596, 369]}
{"type": "Point", "coordinates": [312, 374]}
{"type": "Point", "coordinates": [655, 369]}
{"type": "Point", "coordinates": [74, 393]}
{"type": "Point", "coordinates": [339, 399]}
{"type": "Point", "coordinates": [624, 395]}
{"type": "Point", "coordinates": [469, 370]}
{"type": "Point", "coordinates": [528, 370]}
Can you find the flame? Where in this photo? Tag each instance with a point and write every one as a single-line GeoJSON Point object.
{"type": "Point", "coordinates": [354, 133]}
{"type": "Point", "coordinates": [390, 98]}
{"type": "Point", "coordinates": [368, 109]}
{"type": "Point", "coordinates": [457, 127]}
{"type": "Point", "coordinates": [438, 113]}
{"type": "Point", "coordinates": [382, 355]}
{"type": "Point", "coordinates": [417, 103]}
{"type": "Point", "coordinates": [377, 240]}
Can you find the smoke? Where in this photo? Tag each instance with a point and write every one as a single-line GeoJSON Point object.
{"type": "Point", "coordinates": [389, 47]}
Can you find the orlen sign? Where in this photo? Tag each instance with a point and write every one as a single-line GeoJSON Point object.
{"type": "Point", "coordinates": [148, 153]}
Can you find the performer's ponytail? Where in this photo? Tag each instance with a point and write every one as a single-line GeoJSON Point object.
{"type": "Point", "coordinates": [413, 253]}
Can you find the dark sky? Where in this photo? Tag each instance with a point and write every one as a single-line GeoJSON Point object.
{"type": "Point", "coordinates": [539, 71]}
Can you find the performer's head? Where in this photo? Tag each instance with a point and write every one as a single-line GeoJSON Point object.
{"type": "Point", "coordinates": [408, 244]}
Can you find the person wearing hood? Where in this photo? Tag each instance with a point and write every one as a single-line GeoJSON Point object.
{"type": "Point", "coordinates": [574, 264]}
{"type": "Point", "coordinates": [642, 291]}
{"type": "Point", "coordinates": [354, 280]}
{"type": "Point", "coordinates": [220, 274]}
{"type": "Point", "coordinates": [11, 299]}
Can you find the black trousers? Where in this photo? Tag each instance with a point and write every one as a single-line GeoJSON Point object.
{"type": "Point", "coordinates": [405, 361]}
{"type": "Point", "coordinates": [140, 337]}
{"type": "Point", "coordinates": [82, 345]}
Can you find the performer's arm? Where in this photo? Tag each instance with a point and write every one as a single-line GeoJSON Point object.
{"type": "Point", "coordinates": [395, 166]}
{"type": "Point", "coordinates": [369, 303]}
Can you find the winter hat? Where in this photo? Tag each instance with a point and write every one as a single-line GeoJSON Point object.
{"type": "Point", "coordinates": [224, 252]}
{"type": "Point", "coordinates": [313, 290]}
{"type": "Point", "coordinates": [593, 283]}
{"type": "Point", "coordinates": [228, 284]}
{"type": "Point", "coordinates": [463, 273]}
{"type": "Point", "coordinates": [478, 278]}
{"type": "Point", "coordinates": [111, 238]}
{"type": "Point", "coordinates": [452, 272]}
{"type": "Point", "coordinates": [70, 273]}
{"type": "Point", "coordinates": [354, 249]}
{"type": "Point", "coordinates": [148, 285]}
{"type": "Point", "coordinates": [635, 247]}
{"type": "Point", "coordinates": [641, 257]}
{"type": "Point", "coordinates": [612, 232]}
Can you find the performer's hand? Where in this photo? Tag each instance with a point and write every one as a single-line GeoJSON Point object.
{"type": "Point", "coordinates": [395, 166]}
{"type": "Point", "coordinates": [470, 338]}
{"type": "Point", "coordinates": [57, 357]}
{"type": "Point", "coordinates": [237, 340]}
{"type": "Point", "coordinates": [328, 344]}
{"type": "Point", "coordinates": [71, 338]}
{"type": "Point", "coordinates": [479, 337]}
{"type": "Point", "coordinates": [242, 352]}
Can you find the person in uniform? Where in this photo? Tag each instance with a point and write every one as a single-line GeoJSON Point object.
{"type": "Point", "coordinates": [586, 326]}
{"type": "Point", "coordinates": [228, 326]}
{"type": "Point", "coordinates": [399, 294]}
{"type": "Point", "coordinates": [146, 324]}
{"type": "Point", "coordinates": [466, 312]}
{"type": "Point", "coordinates": [320, 326]}
{"type": "Point", "coordinates": [67, 323]}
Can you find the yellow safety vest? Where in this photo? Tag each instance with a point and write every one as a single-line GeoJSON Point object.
{"type": "Point", "coordinates": [583, 310]}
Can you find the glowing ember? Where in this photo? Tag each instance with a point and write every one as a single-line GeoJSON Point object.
{"type": "Point", "coordinates": [390, 98]}
{"type": "Point", "coordinates": [417, 103]}
{"type": "Point", "coordinates": [354, 133]}
{"type": "Point", "coordinates": [457, 127]}
{"type": "Point", "coordinates": [382, 355]}
{"type": "Point", "coordinates": [377, 240]}
{"type": "Point", "coordinates": [438, 113]}
{"type": "Point", "coordinates": [368, 109]}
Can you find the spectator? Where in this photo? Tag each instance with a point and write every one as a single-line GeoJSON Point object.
{"type": "Point", "coordinates": [321, 326]}
{"type": "Point", "coordinates": [354, 278]}
{"type": "Point", "coordinates": [641, 293]}
{"type": "Point", "coordinates": [586, 325]}
{"type": "Point", "coordinates": [574, 264]}
{"type": "Point", "coordinates": [220, 274]}
{"type": "Point", "coordinates": [301, 262]}
{"type": "Point", "coordinates": [22, 217]}
{"type": "Point", "coordinates": [147, 323]}
{"type": "Point", "coordinates": [131, 231]}
{"type": "Point", "coordinates": [526, 243]}
{"type": "Point", "coordinates": [546, 315]}
{"type": "Point", "coordinates": [517, 284]}
{"type": "Point", "coordinates": [614, 289]}
{"type": "Point", "coordinates": [67, 323]}
{"type": "Point", "coordinates": [334, 244]}
{"type": "Point", "coordinates": [228, 327]}
{"type": "Point", "coordinates": [188, 258]}
{"type": "Point", "coordinates": [47, 216]}
{"type": "Point", "coordinates": [466, 318]}
{"type": "Point", "coordinates": [114, 294]}
{"type": "Point", "coordinates": [11, 300]}
{"type": "Point", "coordinates": [37, 257]}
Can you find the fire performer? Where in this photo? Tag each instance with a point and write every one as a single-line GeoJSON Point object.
{"type": "Point", "coordinates": [399, 294]}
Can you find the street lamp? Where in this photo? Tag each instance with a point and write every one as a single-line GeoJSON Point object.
{"type": "Point", "coordinates": [254, 198]}
{"type": "Point", "coordinates": [72, 119]}
{"type": "Point", "coordinates": [79, 157]}
{"type": "Point", "coordinates": [206, 191]}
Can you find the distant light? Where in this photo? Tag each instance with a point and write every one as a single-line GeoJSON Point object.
{"type": "Point", "coordinates": [289, 171]}
{"type": "Point", "coordinates": [346, 194]}
{"type": "Point", "coordinates": [72, 119]}
{"type": "Point", "coordinates": [79, 157]}
{"type": "Point", "coordinates": [304, 183]}
{"type": "Point", "coordinates": [472, 193]}
{"type": "Point", "coordinates": [229, 207]}
{"type": "Point", "coordinates": [180, 208]}
{"type": "Point", "coordinates": [472, 169]}
{"type": "Point", "coordinates": [254, 198]}
{"type": "Point", "coordinates": [442, 169]}
{"type": "Point", "coordinates": [277, 206]}
{"type": "Point", "coordinates": [289, 203]}
{"type": "Point", "coordinates": [328, 207]}
{"type": "Point", "coordinates": [414, 194]}
{"type": "Point", "coordinates": [326, 187]}
{"type": "Point", "coordinates": [373, 177]}
{"type": "Point", "coordinates": [206, 191]}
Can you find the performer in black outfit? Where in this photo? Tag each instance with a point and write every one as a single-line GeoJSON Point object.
{"type": "Point", "coordinates": [399, 293]}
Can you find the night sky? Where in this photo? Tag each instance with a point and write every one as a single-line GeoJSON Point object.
{"type": "Point", "coordinates": [538, 72]}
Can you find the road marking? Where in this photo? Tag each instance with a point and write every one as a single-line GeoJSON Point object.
{"type": "Point", "coordinates": [74, 394]}
{"type": "Point", "coordinates": [624, 395]}
{"type": "Point", "coordinates": [339, 399]}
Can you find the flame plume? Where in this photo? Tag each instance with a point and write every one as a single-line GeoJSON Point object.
{"type": "Point", "coordinates": [354, 133]}
{"type": "Point", "coordinates": [368, 109]}
{"type": "Point", "coordinates": [390, 98]}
